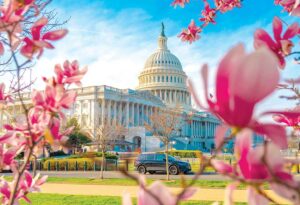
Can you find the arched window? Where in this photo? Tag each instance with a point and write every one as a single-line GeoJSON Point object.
{"type": "Point", "coordinates": [171, 79]}
{"type": "Point", "coordinates": [162, 79]}
{"type": "Point", "coordinates": [167, 79]}
{"type": "Point", "coordinates": [158, 79]}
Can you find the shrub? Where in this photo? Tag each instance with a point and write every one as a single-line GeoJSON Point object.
{"type": "Point", "coordinates": [185, 153]}
{"type": "Point", "coordinates": [81, 162]}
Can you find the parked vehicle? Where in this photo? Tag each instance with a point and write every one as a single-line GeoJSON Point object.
{"type": "Point", "coordinates": [156, 162]}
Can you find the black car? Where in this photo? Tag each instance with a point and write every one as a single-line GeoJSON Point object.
{"type": "Point", "coordinates": [155, 162]}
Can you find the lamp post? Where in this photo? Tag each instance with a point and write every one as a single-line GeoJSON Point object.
{"type": "Point", "coordinates": [186, 138]}
{"type": "Point", "coordinates": [172, 144]}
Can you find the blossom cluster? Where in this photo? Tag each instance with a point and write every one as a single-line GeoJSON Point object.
{"type": "Point", "coordinates": [13, 15]}
{"type": "Point", "coordinates": [208, 14]}
{"type": "Point", "coordinates": [290, 6]}
{"type": "Point", "coordinates": [41, 120]}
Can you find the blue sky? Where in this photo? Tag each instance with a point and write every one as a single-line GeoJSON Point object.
{"type": "Point", "coordinates": [115, 37]}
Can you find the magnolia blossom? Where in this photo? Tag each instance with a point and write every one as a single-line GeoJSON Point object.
{"type": "Point", "coordinates": [27, 185]}
{"type": "Point", "coordinates": [227, 5]}
{"type": "Point", "coordinates": [190, 34]}
{"type": "Point", "coordinates": [291, 6]}
{"type": "Point", "coordinates": [282, 45]}
{"type": "Point", "coordinates": [161, 192]}
{"type": "Point", "coordinates": [53, 100]}
{"type": "Point", "coordinates": [256, 165]}
{"type": "Point", "coordinates": [180, 2]}
{"type": "Point", "coordinates": [67, 74]}
{"type": "Point", "coordinates": [208, 14]}
{"type": "Point", "coordinates": [4, 98]}
{"type": "Point", "coordinates": [39, 41]}
{"type": "Point", "coordinates": [290, 118]}
{"type": "Point", "coordinates": [233, 104]}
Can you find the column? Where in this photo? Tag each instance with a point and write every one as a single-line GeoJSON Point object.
{"type": "Point", "coordinates": [132, 114]}
{"type": "Point", "coordinates": [147, 114]}
{"type": "Point", "coordinates": [109, 112]}
{"type": "Point", "coordinates": [165, 92]}
{"type": "Point", "coordinates": [138, 114]}
{"type": "Point", "coordinates": [115, 112]}
{"type": "Point", "coordinates": [142, 115]}
{"type": "Point", "coordinates": [120, 113]}
{"type": "Point", "coordinates": [192, 127]}
{"type": "Point", "coordinates": [127, 113]}
{"type": "Point", "coordinates": [175, 93]}
{"type": "Point", "coordinates": [103, 112]}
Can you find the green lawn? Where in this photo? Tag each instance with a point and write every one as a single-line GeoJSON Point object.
{"type": "Point", "coordinates": [129, 182]}
{"type": "Point", "coordinates": [57, 199]}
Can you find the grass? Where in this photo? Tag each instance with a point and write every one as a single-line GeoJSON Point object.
{"type": "Point", "coordinates": [59, 199]}
{"type": "Point", "coordinates": [129, 182]}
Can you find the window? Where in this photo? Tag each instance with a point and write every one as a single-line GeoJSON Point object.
{"type": "Point", "coordinates": [160, 157]}
{"type": "Point", "coordinates": [162, 79]}
{"type": "Point", "coordinates": [167, 79]}
{"type": "Point", "coordinates": [158, 79]}
{"type": "Point", "coordinates": [150, 156]}
{"type": "Point", "coordinates": [171, 79]}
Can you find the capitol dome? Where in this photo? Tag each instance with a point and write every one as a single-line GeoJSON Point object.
{"type": "Point", "coordinates": [163, 75]}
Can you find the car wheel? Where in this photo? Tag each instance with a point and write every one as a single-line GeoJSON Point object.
{"type": "Point", "coordinates": [173, 170]}
{"type": "Point", "coordinates": [142, 169]}
{"type": "Point", "coordinates": [186, 172]}
{"type": "Point", "coordinates": [152, 172]}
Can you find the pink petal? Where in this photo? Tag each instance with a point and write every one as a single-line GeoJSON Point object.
{"type": "Point", "coordinates": [292, 31]}
{"type": "Point", "coordinates": [126, 199]}
{"type": "Point", "coordinates": [55, 35]}
{"type": "Point", "coordinates": [37, 27]}
{"type": "Point", "coordinates": [229, 194]}
{"type": "Point", "coordinates": [255, 199]}
{"type": "Point", "coordinates": [261, 38]}
{"type": "Point", "coordinates": [222, 167]}
{"type": "Point", "coordinates": [220, 134]}
{"type": "Point", "coordinates": [249, 81]}
{"type": "Point", "coordinates": [277, 28]}
{"type": "Point", "coordinates": [274, 132]}
{"type": "Point", "coordinates": [1, 49]}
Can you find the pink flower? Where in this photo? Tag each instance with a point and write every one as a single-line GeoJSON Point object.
{"type": "Point", "coordinates": [227, 5]}
{"type": "Point", "coordinates": [69, 74]}
{"type": "Point", "coordinates": [54, 100]}
{"type": "Point", "coordinates": [291, 6]}
{"type": "Point", "coordinates": [233, 104]}
{"type": "Point", "coordinates": [208, 14]}
{"type": "Point", "coordinates": [255, 164]}
{"type": "Point", "coordinates": [30, 184]}
{"type": "Point", "coordinates": [180, 2]}
{"type": "Point", "coordinates": [38, 122]}
{"type": "Point", "coordinates": [4, 98]}
{"type": "Point", "coordinates": [27, 185]}
{"type": "Point", "coordinates": [282, 45]}
{"type": "Point", "coordinates": [160, 191]}
{"type": "Point", "coordinates": [290, 118]}
{"type": "Point", "coordinates": [38, 42]}
{"type": "Point", "coordinates": [7, 157]}
{"type": "Point", "coordinates": [190, 34]}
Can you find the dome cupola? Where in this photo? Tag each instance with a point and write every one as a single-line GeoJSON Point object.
{"type": "Point", "coordinates": [163, 75]}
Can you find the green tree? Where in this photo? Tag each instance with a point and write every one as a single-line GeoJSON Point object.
{"type": "Point", "coordinates": [77, 138]}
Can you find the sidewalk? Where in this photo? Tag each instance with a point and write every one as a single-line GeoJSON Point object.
{"type": "Point", "coordinates": [203, 194]}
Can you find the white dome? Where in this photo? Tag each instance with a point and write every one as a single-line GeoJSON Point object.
{"type": "Point", "coordinates": [163, 59]}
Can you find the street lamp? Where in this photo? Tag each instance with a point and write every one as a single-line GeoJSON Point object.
{"type": "Point", "coordinates": [186, 138]}
{"type": "Point", "coordinates": [172, 144]}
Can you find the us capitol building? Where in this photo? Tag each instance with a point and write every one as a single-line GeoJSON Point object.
{"type": "Point", "coordinates": [162, 85]}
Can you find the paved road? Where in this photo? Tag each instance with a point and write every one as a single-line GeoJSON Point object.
{"type": "Point", "coordinates": [109, 190]}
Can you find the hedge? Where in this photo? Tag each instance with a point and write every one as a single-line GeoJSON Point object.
{"type": "Point", "coordinates": [93, 154]}
{"type": "Point", "coordinates": [82, 164]}
{"type": "Point", "coordinates": [185, 153]}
